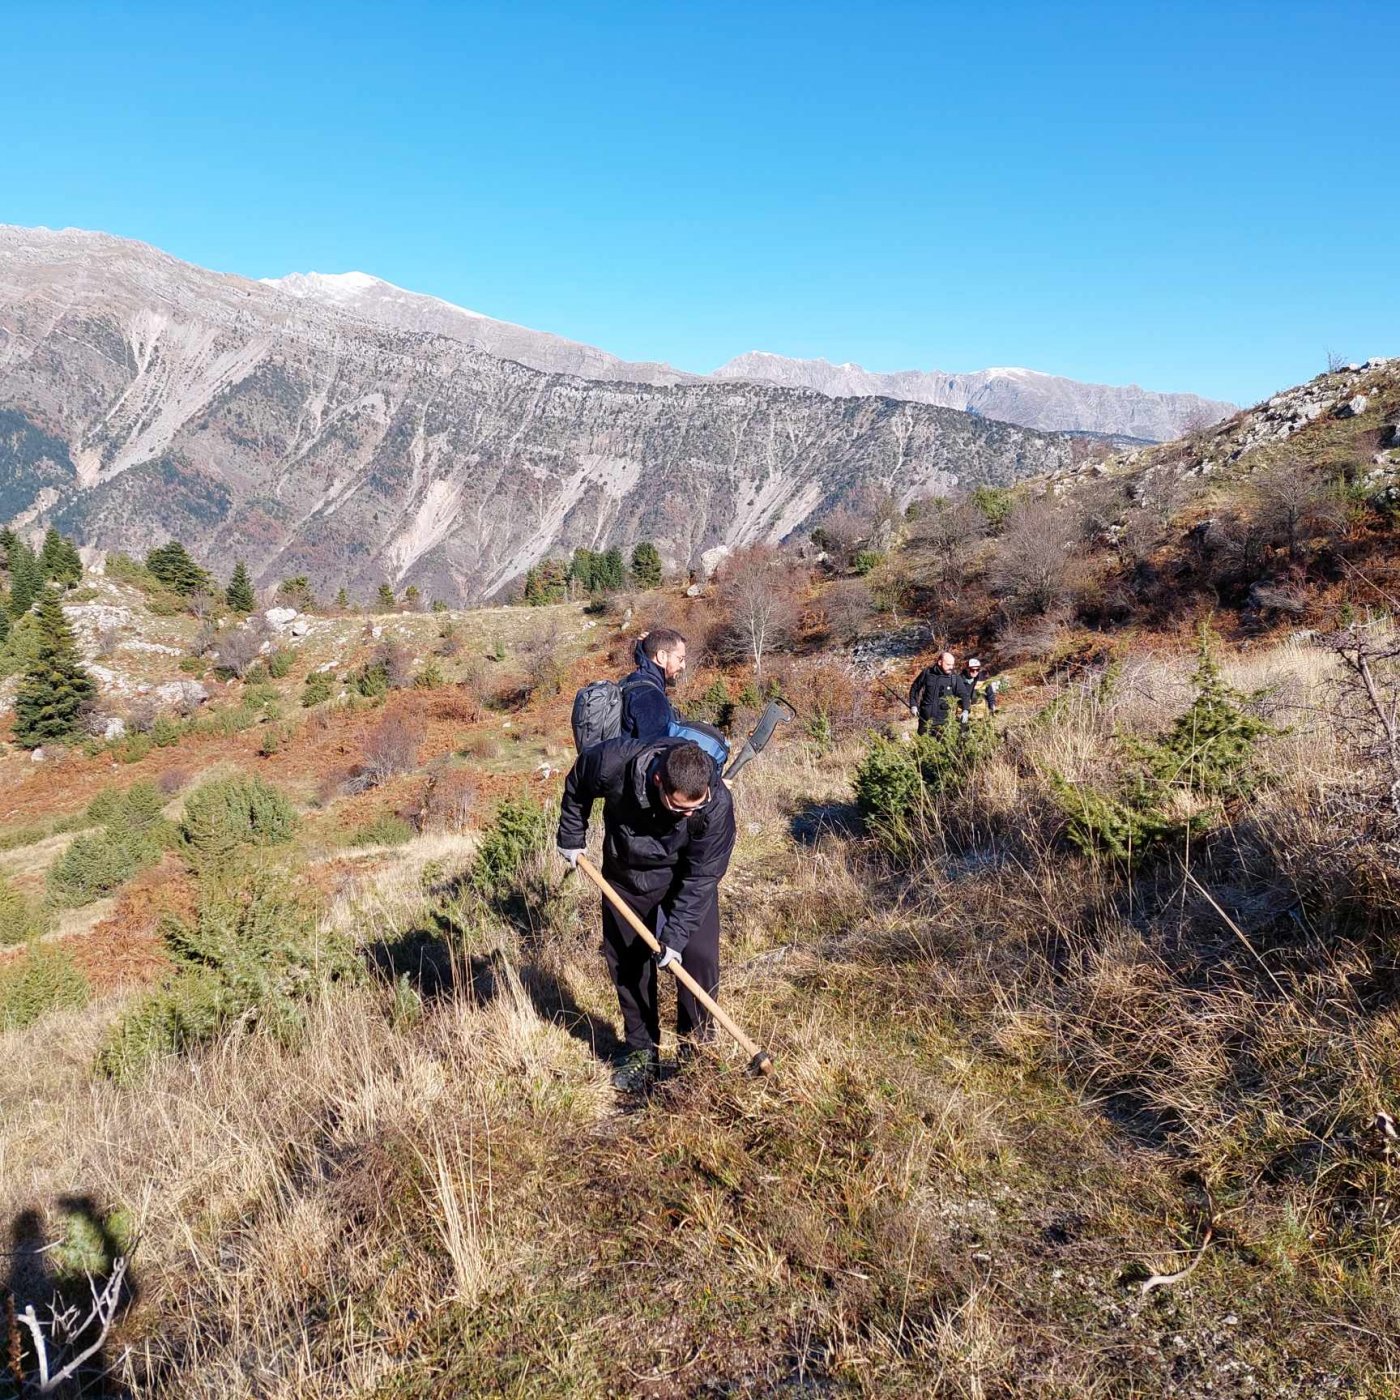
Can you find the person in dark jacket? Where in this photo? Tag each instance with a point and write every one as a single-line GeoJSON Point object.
{"type": "Point", "coordinates": [979, 687]}
{"type": "Point", "coordinates": [668, 832]}
{"type": "Point", "coordinates": [936, 690]}
{"type": "Point", "coordinates": [646, 707]}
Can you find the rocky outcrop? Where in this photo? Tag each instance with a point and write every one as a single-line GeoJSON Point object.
{"type": "Point", "coordinates": [154, 399]}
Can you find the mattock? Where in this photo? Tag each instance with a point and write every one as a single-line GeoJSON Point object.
{"type": "Point", "coordinates": [761, 1062]}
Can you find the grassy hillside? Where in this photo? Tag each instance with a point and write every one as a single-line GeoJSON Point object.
{"type": "Point", "coordinates": [1085, 1027]}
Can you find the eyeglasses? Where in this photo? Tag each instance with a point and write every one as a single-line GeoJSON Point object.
{"type": "Point", "coordinates": [681, 809]}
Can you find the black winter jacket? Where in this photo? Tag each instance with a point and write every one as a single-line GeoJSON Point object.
{"type": "Point", "coordinates": [646, 708]}
{"type": "Point", "coordinates": [934, 692]}
{"type": "Point", "coordinates": [647, 849]}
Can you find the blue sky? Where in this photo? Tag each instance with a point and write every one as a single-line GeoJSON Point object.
{"type": "Point", "coordinates": [1185, 196]}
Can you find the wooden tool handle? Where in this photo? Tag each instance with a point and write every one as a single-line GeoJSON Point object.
{"type": "Point", "coordinates": [677, 969]}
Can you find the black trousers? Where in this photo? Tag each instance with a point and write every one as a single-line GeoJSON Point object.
{"type": "Point", "coordinates": [633, 971]}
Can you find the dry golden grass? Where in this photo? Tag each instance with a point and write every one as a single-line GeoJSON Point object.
{"type": "Point", "coordinates": [1009, 1085]}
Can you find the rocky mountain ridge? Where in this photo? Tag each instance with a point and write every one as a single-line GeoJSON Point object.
{"type": "Point", "coordinates": [1022, 396]}
{"type": "Point", "coordinates": [143, 398]}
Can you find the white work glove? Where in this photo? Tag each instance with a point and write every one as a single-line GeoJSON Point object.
{"type": "Point", "coordinates": [667, 956]}
{"type": "Point", "coordinates": [570, 856]}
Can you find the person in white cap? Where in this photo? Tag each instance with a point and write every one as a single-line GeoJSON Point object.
{"type": "Point", "coordinates": [978, 688]}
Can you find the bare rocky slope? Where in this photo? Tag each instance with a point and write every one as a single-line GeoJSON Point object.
{"type": "Point", "coordinates": [141, 397]}
{"type": "Point", "coordinates": [1023, 396]}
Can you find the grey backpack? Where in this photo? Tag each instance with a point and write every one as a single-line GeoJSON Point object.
{"type": "Point", "coordinates": [597, 714]}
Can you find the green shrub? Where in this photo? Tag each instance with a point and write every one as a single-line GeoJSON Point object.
{"type": "Point", "coordinates": [279, 663]}
{"type": "Point", "coordinates": [43, 980]}
{"type": "Point", "coordinates": [518, 831]}
{"type": "Point", "coordinates": [94, 866]}
{"type": "Point", "coordinates": [429, 678]}
{"type": "Point", "coordinates": [1209, 752]}
{"type": "Point", "coordinates": [227, 813]}
{"type": "Point", "coordinates": [133, 837]}
{"type": "Point", "coordinates": [135, 809]}
{"type": "Point", "coordinates": [193, 665]}
{"type": "Point", "coordinates": [867, 561]}
{"type": "Point", "coordinates": [386, 830]}
{"type": "Point", "coordinates": [319, 688]}
{"type": "Point", "coordinates": [253, 956]}
{"type": "Point", "coordinates": [19, 920]}
{"type": "Point", "coordinates": [896, 783]}
{"type": "Point", "coordinates": [166, 731]}
{"type": "Point", "coordinates": [373, 681]}
{"type": "Point", "coordinates": [259, 695]}
{"type": "Point", "coordinates": [1210, 749]}
{"type": "Point", "coordinates": [995, 503]}
{"type": "Point", "coordinates": [715, 705]}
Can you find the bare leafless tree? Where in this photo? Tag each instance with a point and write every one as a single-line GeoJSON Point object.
{"type": "Point", "coordinates": [540, 653]}
{"type": "Point", "coordinates": [237, 648]}
{"type": "Point", "coordinates": [1371, 719]}
{"type": "Point", "coordinates": [759, 591]}
{"type": "Point", "coordinates": [1032, 566]}
{"type": "Point", "coordinates": [392, 746]}
{"type": "Point", "coordinates": [1293, 502]}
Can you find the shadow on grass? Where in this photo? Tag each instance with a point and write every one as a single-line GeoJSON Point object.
{"type": "Point", "coordinates": [813, 820]}
{"type": "Point", "coordinates": [59, 1279]}
{"type": "Point", "coordinates": [431, 961]}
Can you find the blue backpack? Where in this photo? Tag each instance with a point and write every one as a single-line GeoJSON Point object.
{"type": "Point", "coordinates": [705, 735]}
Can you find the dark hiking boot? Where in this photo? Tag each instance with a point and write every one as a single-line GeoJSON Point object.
{"type": "Point", "coordinates": [637, 1073]}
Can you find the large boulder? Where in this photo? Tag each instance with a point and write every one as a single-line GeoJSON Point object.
{"type": "Point", "coordinates": [280, 617]}
{"type": "Point", "coordinates": [182, 695]}
{"type": "Point", "coordinates": [1353, 408]}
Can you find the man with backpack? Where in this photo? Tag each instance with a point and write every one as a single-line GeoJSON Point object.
{"type": "Point", "coordinates": [668, 833]}
{"type": "Point", "coordinates": [935, 691]}
{"type": "Point", "coordinates": [639, 706]}
{"type": "Point", "coordinates": [646, 707]}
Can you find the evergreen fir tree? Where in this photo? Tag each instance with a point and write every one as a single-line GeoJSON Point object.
{"type": "Point", "coordinates": [26, 577]}
{"type": "Point", "coordinates": [646, 565]}
{"type": "Point", "coordinates": [240, 594]}
{"type": "Point", "coordinates": [385, 596]}
{"type": "Point", "coordinates": [172, 565]}
{"type": "Point", "coordinates": [546, 583]}
{"type": "Point", "coordinates": [59, 560]}
{"type": "Point", "coordinates": [342, 599]}
{"type": "Point", "coordinates": [55, 691]}
{"type": "Point", "coordinates": [4, 619]}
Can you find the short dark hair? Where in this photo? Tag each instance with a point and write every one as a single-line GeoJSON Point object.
{"type": "Point", "coordinates": [660, 639]}
{"type": "Point", "coordinates": [687, 772]}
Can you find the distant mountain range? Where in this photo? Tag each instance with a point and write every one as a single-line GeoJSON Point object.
{"type": "Point", "coordinates": [1023, 396]}
{"type": "Point", "coordinates": [340, 428]}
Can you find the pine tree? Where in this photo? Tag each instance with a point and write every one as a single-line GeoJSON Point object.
{"type": "Point", "coordinates": [172, 565]}
{"type": "Point", "coordinates": [611, 572]}
{"type": "Point", "coordinates": [26, 577]}
{"type": "Point", "coordinates": [385, 596]}
{"type": "Point", "coordinates": [4, 620]}
{"type": "Point", "coordinates": [342, 599]}
{"type": "Point", "coordinates": [59, 560]}
{"type": "Point", "coordinates": [55, 691]}
{"type": "Point", "coordinates": [546, 583]}
{"type": "Point", "coordinates": [646, 565]}
{"type": "Point", "coordinates": [240, 594]}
